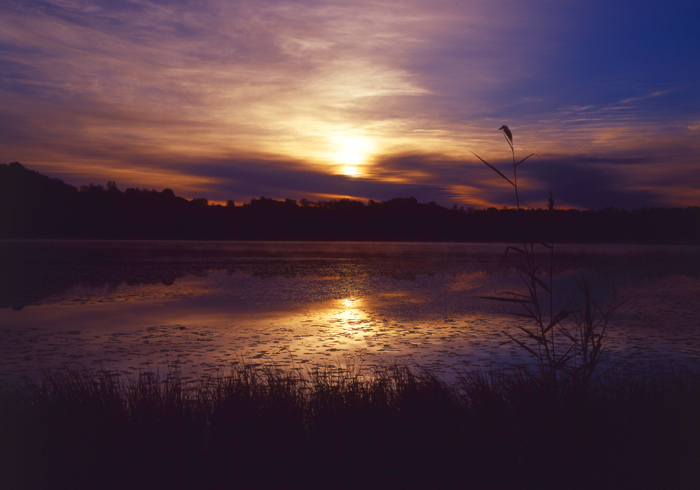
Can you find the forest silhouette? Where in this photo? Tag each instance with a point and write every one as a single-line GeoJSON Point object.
{"type": "Point", "coordinates": [34, 206]}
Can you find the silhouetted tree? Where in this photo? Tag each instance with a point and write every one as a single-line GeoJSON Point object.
{"type": "Point", "coordinates": [35, 206]}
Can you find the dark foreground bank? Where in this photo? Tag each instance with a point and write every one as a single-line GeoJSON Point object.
{"type": "Point", "coordinates": [349, 428]}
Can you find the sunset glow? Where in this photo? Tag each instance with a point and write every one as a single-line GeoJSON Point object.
{"type": "Point", "coordinates": [234, 100]}
{"type": "Point", "coordinates": [352, 153]}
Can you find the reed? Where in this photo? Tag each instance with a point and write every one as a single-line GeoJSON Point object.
{"type": "Point", "coordinates": [566, 343]}
{"type": "Point", "coordinates": [264, 427]}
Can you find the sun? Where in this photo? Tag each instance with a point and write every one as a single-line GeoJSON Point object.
{"type": "Point", "coordinates": [350, 153]}
{"type": "Point", "coordinates": [350, 170]}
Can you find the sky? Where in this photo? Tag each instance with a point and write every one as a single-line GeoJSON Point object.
{"type": "Point", "coordinates": [359, 99]}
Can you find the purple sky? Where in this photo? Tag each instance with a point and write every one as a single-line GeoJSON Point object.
{"type": "Point", "coordinates": [370, 100]}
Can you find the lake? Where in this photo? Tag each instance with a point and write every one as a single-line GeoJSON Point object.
{"type": "Point", "coordinates": [142, 305]}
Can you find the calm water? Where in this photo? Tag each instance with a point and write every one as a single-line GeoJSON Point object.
{"type": "Point", "coordinates": [141, 305]}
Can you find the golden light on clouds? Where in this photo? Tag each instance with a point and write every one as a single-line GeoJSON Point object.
{"type": "Point", "coordinates": [233, 100]}
{"type": "Point", "coordinates": [351, 153]}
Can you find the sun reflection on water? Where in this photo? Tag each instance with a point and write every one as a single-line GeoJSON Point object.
{"type": "Point", "coordinates": [348, 318]}
{"type": "Point", "coordinates": [343, 311]}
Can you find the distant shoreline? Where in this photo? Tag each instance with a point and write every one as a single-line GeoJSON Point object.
{"type": "Point", "coordinates": [34, 206]}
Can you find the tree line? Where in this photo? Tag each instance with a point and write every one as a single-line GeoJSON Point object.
{"type": "Point", "coordinates": [36, 206]}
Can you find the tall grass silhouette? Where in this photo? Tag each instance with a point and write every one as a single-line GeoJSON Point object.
{"type": "Point", "coordinates": [333, 427]}
{"type": "Point", "coordinates": [567, 344]}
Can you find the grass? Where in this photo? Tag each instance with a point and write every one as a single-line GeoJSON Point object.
{"type": "Point", "coordinates": [349, 428]}
{"type": "Point", "coordinates": [566, 344]}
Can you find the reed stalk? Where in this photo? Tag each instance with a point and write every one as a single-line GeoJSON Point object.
{"type": "Point", "coordinates": [568, 343]}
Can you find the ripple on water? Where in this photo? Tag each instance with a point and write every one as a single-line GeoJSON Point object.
{"type": "Point", "coordinates": [428, 315]}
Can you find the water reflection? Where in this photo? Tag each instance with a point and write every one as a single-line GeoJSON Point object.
{"type": "Point", "coordinates": [468, 281]}
{"type": "Point", "coordinates": [128, 307]}
{"type": "Point", "coordinates": [348, 317]}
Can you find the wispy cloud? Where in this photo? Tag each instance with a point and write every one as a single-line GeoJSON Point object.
{"type": "Point", "coordinates": [328, 97]}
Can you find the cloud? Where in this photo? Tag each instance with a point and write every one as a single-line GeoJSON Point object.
{"type": "Point", "coordinates": [244, 179]}
{"type": "Point", "coordinates": [297, 97]}
{"type": "Point", "coordinates": [589, 184]}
